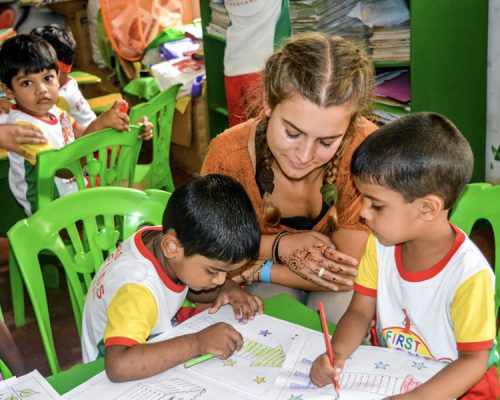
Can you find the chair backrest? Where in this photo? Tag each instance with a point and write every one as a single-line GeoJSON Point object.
{"type": "Point", "coordinates": [81, 230]}
{"type": "Point", "coordinates": [480, 201]}
{"type": "Point", "coordinates": [102, 158]}
{"type": "Point", "coordinates": [160, 112]}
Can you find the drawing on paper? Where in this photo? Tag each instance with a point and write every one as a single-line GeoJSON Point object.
{"type": "Point", "coordinates": [261, 355]}
{"type": "Point", "coordinates": [18, 394]}
{"type": "Point", "coordinates": [171, 389]}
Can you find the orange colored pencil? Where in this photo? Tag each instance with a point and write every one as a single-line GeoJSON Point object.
{"type": "Point", "coordinates": [328, 344]}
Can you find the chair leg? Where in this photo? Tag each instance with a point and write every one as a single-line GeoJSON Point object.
{"type": "Point", "coordinates": [17, 290]}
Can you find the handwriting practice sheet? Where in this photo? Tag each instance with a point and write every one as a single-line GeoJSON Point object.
{"type": "Point", "coordinates": [273, 364]}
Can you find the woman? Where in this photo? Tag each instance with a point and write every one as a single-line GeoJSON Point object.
{"type": "Point", "coordinates": [294, 164]}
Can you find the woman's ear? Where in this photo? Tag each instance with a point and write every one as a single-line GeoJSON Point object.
{"type": "Point", "coordinates": [267, 108]}
{"type": "Point", "coordinates": [430, 207]}
{"type": "Point", "coordinates": [170, 245]}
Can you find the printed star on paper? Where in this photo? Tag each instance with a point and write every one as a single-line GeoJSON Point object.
{"type": "Point", "coordinates": [380, 365]}
{"type": "Point", "coordinates": [229, 363]}
{"type": "Point", "coordinates": [265, 332]}
{"type": "Point", "coordinates": [295, 397]}
{"type": "Point", "coordinates": [260, 379]}
{"type": "Point", "coordinates": [418, 365]}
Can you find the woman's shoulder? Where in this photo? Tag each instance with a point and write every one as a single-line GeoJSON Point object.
{"type": "Point", "coordinates": [364, 129]}
{"type": "Point", "coordinates": [230, 147]}
{"type": "Point", "coordinates": [234, 138]}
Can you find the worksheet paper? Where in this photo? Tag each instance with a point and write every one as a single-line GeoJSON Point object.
{"type": "Point", "coordinates": [31, 386]}
{"type": "Point", "coordinates": [273, 364]}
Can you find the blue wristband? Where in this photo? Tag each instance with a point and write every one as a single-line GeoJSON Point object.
{"type": "Point", "coordinates": [265, 272]}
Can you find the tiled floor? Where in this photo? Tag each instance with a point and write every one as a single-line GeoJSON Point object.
{"type": "Point", "coordinates": [65, 336]}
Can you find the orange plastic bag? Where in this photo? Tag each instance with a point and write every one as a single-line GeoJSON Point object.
{"type": "Point", "coordinates": [132, 24]}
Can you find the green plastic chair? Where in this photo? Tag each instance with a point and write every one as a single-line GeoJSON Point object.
{"type": "Point", "coordinates": [481, 201]}
{"type": "Point", "coordinates": [81, 230]}
{"type": "Point", "coordinates": [160, 112]}
{"type": "Point", "coordinates": [110, 158]}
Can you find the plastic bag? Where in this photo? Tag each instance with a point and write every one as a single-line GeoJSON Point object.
{"type": "Point", "coordinates": [380, 12]}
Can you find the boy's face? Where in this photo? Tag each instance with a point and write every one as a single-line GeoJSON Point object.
{"type": "Point", "coordinates": [392, 219]}
{"type": "Point", "coordinates": [202, 273]}
{"type": "Point", "coordinates": [35, 93]}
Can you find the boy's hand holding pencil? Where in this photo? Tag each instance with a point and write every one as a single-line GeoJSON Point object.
{"type": "Point", "coordinates": [220, 339]}
{"type": "Point", "coordinates": [327, 368]}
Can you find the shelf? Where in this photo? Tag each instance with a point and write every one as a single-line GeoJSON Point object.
{"type": "Point", "coordinates": [390, 109]}
{"type": "Point", "coordinates": [219, 109]}
{"type": "Point", "coordinates": [215, 37]}
{"type": "Point", "coordinates": [391, 64]}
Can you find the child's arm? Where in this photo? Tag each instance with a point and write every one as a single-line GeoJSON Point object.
{"type": "Point", "coordinates": [145, 360]}
{"type": "Point", "coordinates": [453, 380]}
{"type": "Point", "coordinates": [245, 305]}
{"type": "Point", "coordinates": [9, 353]}
{"type": "Point", "coordinates": [113, 118]}
{"type": "Point", "coordinates": [348, 335]}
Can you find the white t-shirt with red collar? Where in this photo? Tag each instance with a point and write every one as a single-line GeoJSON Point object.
{"type": "Point", "coordinates": [71, 100]}
{"type": "Point", "coordinates": [58, 129]}
{"type": "Point", "coordinates": [436, 313]}
{"type": "Point", "coordinates": [130, 300]}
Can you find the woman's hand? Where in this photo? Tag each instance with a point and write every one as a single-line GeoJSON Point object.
{"type": "Point", "coordinates": [312, 256]}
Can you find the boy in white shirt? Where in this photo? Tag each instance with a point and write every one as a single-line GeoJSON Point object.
{"type": "Point", "coordinates": [28, 71]}
{"type": "Point", "coordinates": [427, 285]}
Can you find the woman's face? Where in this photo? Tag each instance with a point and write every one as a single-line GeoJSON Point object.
{"type": "Point", "coordinates": [303, 136]}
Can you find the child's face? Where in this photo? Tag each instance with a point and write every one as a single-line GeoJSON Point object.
{"type": "Point", "coordinates": [392, 219]}
{"type": "Point", "coordinates": [202, 273]}
{"type": "Point", "coordinates": [35, 93]}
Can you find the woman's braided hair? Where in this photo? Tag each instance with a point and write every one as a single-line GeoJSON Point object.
{"type": "Point", "coordinates": [327, 71]}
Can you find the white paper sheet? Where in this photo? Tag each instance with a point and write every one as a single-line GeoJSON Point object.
{"type": "Point", "coordinates": [31, 386]}
{"type": "Point", "coordinates": [273, 364]}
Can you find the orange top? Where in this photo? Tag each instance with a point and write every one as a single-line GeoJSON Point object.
{"type": "Point", "coordinates": [228, 154]}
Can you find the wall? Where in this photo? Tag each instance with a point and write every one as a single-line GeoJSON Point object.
{"type": "Point", "coordinates": [493, 93]}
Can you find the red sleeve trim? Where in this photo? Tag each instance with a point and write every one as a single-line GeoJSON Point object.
{"type": "Point", "coordinates": [120, 341]}
{"type": "Point", "coordinates": [364, 290]}
{"type": "Point", "coordinates": [475, 346]}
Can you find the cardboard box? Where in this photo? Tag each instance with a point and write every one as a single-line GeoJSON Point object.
{"type": "Point", "coordinates": [182, 130]}
{"type": "Point", "coordinates": [191, 158]}
{"type": "Point", "coordinates": [79, 26]}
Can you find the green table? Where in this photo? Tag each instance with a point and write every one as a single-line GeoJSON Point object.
{"type": "Point", "coordinates": [280, 306]}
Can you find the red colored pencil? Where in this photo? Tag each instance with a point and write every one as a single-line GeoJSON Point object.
{"type": "Point", "coordinates": [328, 344]}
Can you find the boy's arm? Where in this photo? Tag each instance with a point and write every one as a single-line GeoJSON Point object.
{"type": "Point", "coordinates": [454, 380]}
{"type": "Point", "coordinates": [113, 118]}
{"type": "Point", "coordinates": [348, 335]}
{"type": "Point", "coordinates": [245, 306]}
{"type": "Point", "coordinates": [144, 360]}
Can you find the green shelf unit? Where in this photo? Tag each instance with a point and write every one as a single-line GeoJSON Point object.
{"type": "Point", "coordinates": [214, 55]}
{"type": "Point", "coordinates": [449, 40]}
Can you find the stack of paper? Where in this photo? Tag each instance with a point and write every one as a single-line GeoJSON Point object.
{"type": "Point", "coordinates": [330, 17]}
{"type": "Point", "coordinates": [219, 19]}
{"type": "Point", "coordinates": [392, 95]}
{"type": "Point", "coordinates": [391, 43]}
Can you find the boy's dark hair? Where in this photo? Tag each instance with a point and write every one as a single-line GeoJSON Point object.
{"type": "Point", "coordinates": [27, 53]}
{"type": "Point", "coordinates": [416, 155]}
{"type": "Point", "coordinates": [61, 39]}
{"type": "Point", "coordinates": [213, 216]}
